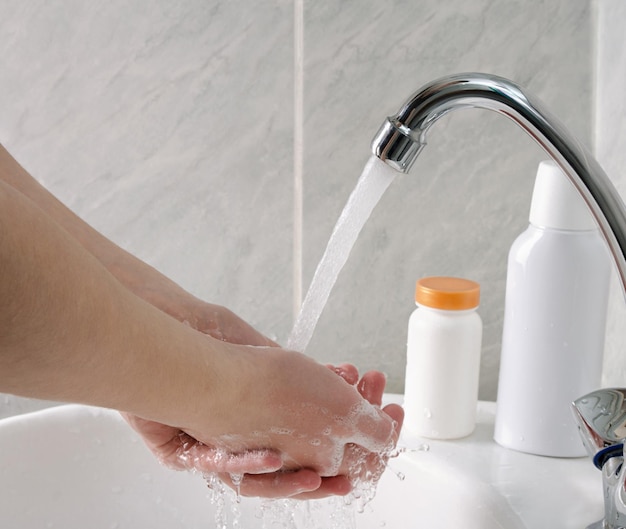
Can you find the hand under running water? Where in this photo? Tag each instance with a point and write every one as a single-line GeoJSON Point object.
{"type": "Point", "coordinates": [266, 474]}
{"type": "Point", "coordinates": [358, 464]}
{"type": "Point", "coordinates": [86, 322]}
{"type": "Point", "coordinates": [308, 435]}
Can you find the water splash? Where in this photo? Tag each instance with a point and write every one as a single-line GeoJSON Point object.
{"type": "Point", "coordinates": [225, 501]}
{"type": "Point", "coordinates": [330, 513]}
{"type": "Point", "coordinates": [374, 181]}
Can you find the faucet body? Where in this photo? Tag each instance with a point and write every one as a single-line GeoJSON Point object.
{"type": "Point", "coordinates": [601, 418]}
{"type": "Point", "coordinates": [402, 137]}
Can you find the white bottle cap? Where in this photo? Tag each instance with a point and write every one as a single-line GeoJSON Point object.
{"type": "Point", "coordinates": [556, 202]}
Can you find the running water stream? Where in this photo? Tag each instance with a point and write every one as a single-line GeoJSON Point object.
{"type": "Point", "coordinates": [374, 181]}
{"type": "Point", "coordinates": [289, 514]}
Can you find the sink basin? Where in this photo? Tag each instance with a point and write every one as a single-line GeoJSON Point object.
{"type": "Point", "coordinates": [76, 467]}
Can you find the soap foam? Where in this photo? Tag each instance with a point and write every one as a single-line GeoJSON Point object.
{"type": "Point", "coordinates": [364, 468]}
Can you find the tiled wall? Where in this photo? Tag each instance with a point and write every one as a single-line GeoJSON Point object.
{"type": "Point", "coordinates": [468, 194]}
{"type": "Point", "coordinates": [170, 127]}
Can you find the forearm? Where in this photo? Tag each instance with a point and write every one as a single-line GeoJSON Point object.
{"type": "Point", "coordinates": [70, 331]}
{"type": "Point", "coordinates": [130, 271]}
{"type": "Point", "coordinates": [140, 278]}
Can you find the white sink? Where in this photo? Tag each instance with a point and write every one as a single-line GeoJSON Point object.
{"type": "Point", "coordinates": [76, 467]}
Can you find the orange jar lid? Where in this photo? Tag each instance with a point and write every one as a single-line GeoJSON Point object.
{"type": "Point", "coordinates": [447, 293]}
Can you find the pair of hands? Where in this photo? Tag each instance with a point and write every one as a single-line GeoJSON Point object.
{"type": "Point", "coordinates": [307, 431]}
{"type": "Point", "coordinates": [300, 427]}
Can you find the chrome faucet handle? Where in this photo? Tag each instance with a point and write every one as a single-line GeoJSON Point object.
{"type": "Point", "coordinates": [601, 418]}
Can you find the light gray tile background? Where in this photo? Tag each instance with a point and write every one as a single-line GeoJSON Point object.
{"type": "Point", "coordinates": [170, 127]}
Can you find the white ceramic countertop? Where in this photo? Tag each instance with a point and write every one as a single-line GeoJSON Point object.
{"type": "Point", "coordinates": [520, 489]}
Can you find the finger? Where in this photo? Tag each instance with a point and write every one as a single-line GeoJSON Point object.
{"type": "Point", "coordinates": [331, 486]}
{"type": "Point", "coordinates": [208, 459]}
{"type": "Point", "coordinates": [396, 413]}
{"type": "Point", "coordinates": [363, 464]}
{"type": "Point", "coordinates": [276, 484]}
{"type": "Point", "coordinates": [372, 386]}
{"type": "Point", "coordinates": [184, 452]}
{"type": "Point", "coordinates": [346, 371]}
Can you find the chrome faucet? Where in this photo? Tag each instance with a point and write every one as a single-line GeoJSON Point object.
{"type": "Point", "coordinates": [601, 417]}
{"type": "Point", "coordinates": [402, 137]}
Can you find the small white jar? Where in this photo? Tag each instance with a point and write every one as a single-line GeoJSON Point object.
{"type": "Point", "coordinates": [443, 359]}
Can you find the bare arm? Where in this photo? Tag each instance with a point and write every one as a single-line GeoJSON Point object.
{"type": "Point", "coordinates": [134, 274]}
{"type": "Point", "coordinates": [71, 330]}
{"type": "Point", "coordinates": [64, 317]}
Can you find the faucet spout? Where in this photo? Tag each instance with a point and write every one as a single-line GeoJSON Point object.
{"type": "Point", "coordinates": [402, 137]}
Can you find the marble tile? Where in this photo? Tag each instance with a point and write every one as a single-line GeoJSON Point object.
{"type": "Point", "coordinates": [468, 195]}
{"type": "Point", "coordinates": [168, 126]}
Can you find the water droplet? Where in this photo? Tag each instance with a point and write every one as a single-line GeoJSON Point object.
{"type": "Point", "coordinates": [427, 413]}
{"type": "Point", "coordinates": [237, 479]}
{"type": "Point", "coordinates": [281, 431]}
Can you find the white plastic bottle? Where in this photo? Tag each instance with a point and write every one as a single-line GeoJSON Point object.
{"type": "Point", "coordinates": [443, 359]}
{"type": "Point", "coordinates": [554, 320]}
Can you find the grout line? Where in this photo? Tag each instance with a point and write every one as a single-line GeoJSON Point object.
{"type": "Point", "coordinates": [298, 133]}
{"type": "Point", "coordinates": [595, 68]}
